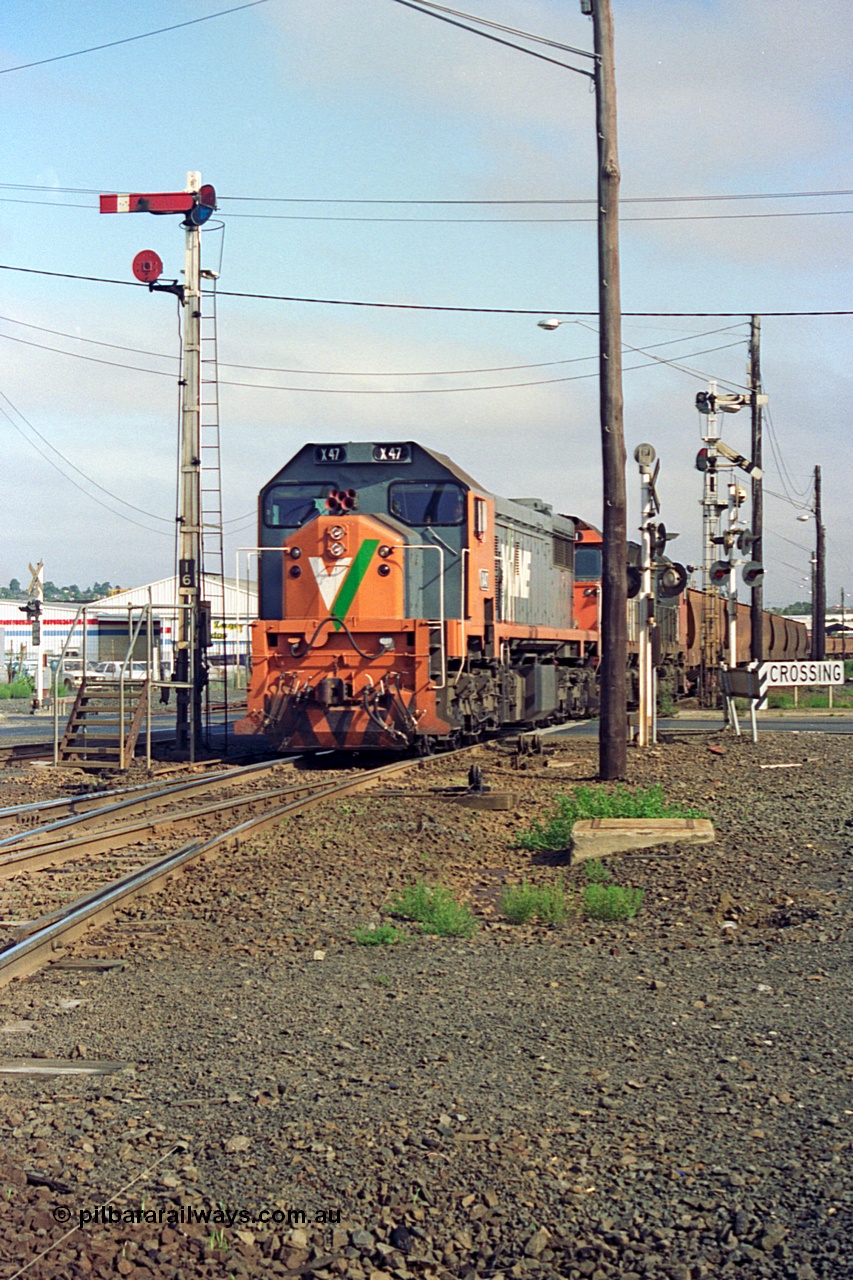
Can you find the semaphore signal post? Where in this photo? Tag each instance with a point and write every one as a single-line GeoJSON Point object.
{"type": "Point", "coordinates": [196, 203]}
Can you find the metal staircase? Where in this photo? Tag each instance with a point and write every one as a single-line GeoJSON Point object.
{"type": "Point", "coordinates": [104, 724]}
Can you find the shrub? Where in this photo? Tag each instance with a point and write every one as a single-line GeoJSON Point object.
{"type": "Point", "coordinates": [381, 936]}
{"type": "Point", "coordinates": [434, 910]}
{"type": "Point", "coordinates": [598, 802]}
{"type": "Point", "coordinates": [22, 687]}
{"type": "Point", "coordinates": [596, 872]}
{"type": "Point", "coordinates": [523, 902]}
{"type": "Point", "coordinates": [611, 902]}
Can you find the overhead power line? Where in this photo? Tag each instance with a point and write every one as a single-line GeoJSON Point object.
{"type": "Point", "coordinates": [423, 306]}
{"type": "Point", "coordinates": [145, 35]}
{"type": "Point", "coordinates": [86, 477]}
{"type": "Point", "coordinates": [510, 44]}
{"type": "Point", "coordinates": [335, 373]}
{"type": "Point", "coordinates": [392, 391]}
{"type": "Point", "coordinates": [479, 221]}
{"type": "Point", "coordinates": [668, 217]}
{"type": "Point", "coordinates": [536, 200]}
{"type": "Point", "coordinates": [499, 26]}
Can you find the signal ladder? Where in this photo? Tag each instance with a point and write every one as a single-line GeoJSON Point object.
{"type": "Point", "coordinates": [211, 544]}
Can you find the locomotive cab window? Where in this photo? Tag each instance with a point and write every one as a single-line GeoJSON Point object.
{"type": "Point", "coordinates": [587, 563]}
{"type": "Point", "coordinates": [287, 506]}
{"type": "Point", "coordinates": [426, 502]}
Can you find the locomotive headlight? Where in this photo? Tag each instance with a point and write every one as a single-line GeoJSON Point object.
{"type": "Point", "coordinates": [337, 533]}
{"type": "Point", "coordinates": [337, 549]}
{"type": "Point", "coordinates": [296, 552]}
{"type": "Point", "coordinates": [385, 552]}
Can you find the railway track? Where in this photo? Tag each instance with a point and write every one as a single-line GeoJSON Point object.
{"type": "Point", "coordinates": [157, 831]}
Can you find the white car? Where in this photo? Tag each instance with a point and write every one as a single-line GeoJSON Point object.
{"type": "Point", "coordinates": [72, 672]}
{"type": "Point", "coordinates": [112, 671]}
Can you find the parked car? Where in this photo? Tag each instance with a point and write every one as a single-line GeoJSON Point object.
{"type": "Point", "coordinates": [72, 672]}
{"type": "Point", "coordinates": [112, 671]}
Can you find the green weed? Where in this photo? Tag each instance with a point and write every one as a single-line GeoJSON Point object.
{"type": "Point", "coordinates": [611, 902]}
{"type": "Point", "coordinates": [596, 872]}
{"type": "Point", "coordinates": [523, 902]}
{"type": "Point", "coordinates": [21, 688]}
{"type": "Point", "coordinates": [380, 935]}
{"type": "Point", "coordinates": [217, 1239]}
{"type": "Point", "coordinates": [434, 910]}
{"type": "Point", "coordinates": [597, 802]}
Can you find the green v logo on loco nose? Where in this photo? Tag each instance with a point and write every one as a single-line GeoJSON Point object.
{"type": "Point", "coordinates": [353, 580]}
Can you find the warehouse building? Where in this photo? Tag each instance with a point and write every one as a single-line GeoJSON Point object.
{"type": "Point", "coordinates": [109, 623]}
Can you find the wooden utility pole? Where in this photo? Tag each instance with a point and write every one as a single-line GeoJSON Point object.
{"type": "Point", "coordinates": [756, 621]}
{"type": "Point", "coordinates": [613, 730]}
{"type": "Point", "coordinates": [819, 583]}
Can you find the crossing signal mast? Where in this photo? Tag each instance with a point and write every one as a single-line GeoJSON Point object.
{"type": "Point", "coordinates": [196, 203]}
{"type": "Point", "coordinates": [736, 540]}
{"type": "Point", "coordinates": [656, 578]}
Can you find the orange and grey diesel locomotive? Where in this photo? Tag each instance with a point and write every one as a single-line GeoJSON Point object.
{"type": "Point", "coordinates": [403, 605]}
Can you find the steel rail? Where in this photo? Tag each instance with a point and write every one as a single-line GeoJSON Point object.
{"type": "Point", "coordinates": [51, 936]}
{"type": "Point", "coordinates": [53, 854]}
{"type": "Point", "coordinates": [86, 812]}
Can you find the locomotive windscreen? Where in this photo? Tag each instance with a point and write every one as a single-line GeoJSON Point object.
{"type": "Point", "coordinates": [287, 506]}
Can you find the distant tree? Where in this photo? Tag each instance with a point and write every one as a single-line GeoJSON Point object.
{"type": "Point", "coordinates": [799, 606]}
{"type": "Point", "coordinates": [14, 586]}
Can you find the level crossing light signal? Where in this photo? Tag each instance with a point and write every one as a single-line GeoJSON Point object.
{"type": "Point", "coordinates": [672, 580]}
{"type": "Point", "coordinates": [719, 572]}
{"type": "Point", "coordinates": [753, 572]}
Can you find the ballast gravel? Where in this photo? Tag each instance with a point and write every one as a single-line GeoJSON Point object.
{"type": "Point", "coordinates": [666, 1097]}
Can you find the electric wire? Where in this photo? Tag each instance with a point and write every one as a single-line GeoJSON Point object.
{"type": "Point", "coordinates": [693, 373]}
{"type": "Point", "coordinates": [71, 480]}
{"type": "Point", "coordinates": [581, 71]}
{"type": "Point", "coordinates": [340, 373]}
{"type": "Point", "coordinates": [445, 221]}
{"type": "Point", "coordinates": [513, 31]}
{"type": "Point", "coordinates": [145, 35]}
{"type": "Point", "coordinates": [680, 217]}
{"type": "Point", "coordinates": [587, 200]}
{"type": "Point", "coordinates": [781, 466]}
{"type": "Point", "coordinates": [439, 309]}
{"type": "Point", "coordinates": [391, 391]}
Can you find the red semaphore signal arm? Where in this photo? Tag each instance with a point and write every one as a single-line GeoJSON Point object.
{"type": "Point", "coordinates": [154, 202]}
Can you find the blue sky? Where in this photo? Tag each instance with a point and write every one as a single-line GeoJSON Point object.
{"type": "Point", "coordinates": [327, 101]}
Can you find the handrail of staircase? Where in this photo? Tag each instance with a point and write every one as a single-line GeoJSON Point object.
{"type": "Point", "coordinates": [57, 670]}
{"type": "Point", "coordinates": [133, 636]}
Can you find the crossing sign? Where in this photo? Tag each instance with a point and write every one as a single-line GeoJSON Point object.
{"type": "Point", "coordinates": [797, 674]}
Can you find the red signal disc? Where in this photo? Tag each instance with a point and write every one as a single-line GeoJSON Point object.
{"type": "Point", "coordinates": [147, 266]}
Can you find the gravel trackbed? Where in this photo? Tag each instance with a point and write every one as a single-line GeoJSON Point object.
{"type": "Point", "coordinates": [667, 1096]}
